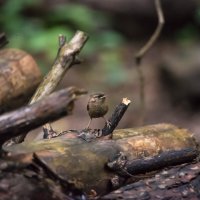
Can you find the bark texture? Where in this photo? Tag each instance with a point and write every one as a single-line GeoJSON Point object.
{"type": "Point", "coordinates": [66, 57]}
{"type": "Point", "coordinates": [29, 117]}
{"type": "Point", "coordinates": [19, 77]}
{"type": "Point", "coordinates": [180, 182]}
{"type": "Point", "coordinates": [31, 182]}
{"type": "Point", "coordinates": [84, 163]}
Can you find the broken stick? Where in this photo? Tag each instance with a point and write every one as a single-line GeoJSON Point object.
{"type": "Point", "coordinates": [116, 117]}
{"type": "Point", "coordinates": [149, 164]}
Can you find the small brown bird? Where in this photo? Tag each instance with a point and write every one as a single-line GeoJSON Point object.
{"type": "Point", "coordinates": [97, 107]}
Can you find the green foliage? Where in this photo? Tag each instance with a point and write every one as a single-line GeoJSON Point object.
{"type": "Point", "coordinates": [39, 34]}
{"type": "Point", "coordinates": [113, 67]}
{"type": "Point", "coordinates": [197, 15]}
{"type": "Point", "coordinates": [10, 15]}
{"type": "Point", "coordinates": [188, 34]}
{"type": "Point", "coordinates": [78, 15]}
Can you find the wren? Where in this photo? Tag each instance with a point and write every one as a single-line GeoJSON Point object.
{"type": "Point", "coordinates": [97, 107]}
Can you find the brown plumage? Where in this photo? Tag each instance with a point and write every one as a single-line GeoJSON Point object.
{"type": "Point", "coordinates": [97, 107]}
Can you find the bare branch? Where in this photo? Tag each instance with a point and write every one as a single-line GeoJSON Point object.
{"type": "Point", "coordinates": [155, 35]}
{"type": "Point", "coordinates": [116, 117]}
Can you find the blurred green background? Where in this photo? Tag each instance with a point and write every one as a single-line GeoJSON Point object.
{"type": "Point", "coordinates": [34, 27]}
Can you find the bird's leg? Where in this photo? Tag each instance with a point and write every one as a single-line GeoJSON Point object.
{"type": "Point", "coordinates": [89, 123]}
{"type": "Point", "coordinates": [108, 123]}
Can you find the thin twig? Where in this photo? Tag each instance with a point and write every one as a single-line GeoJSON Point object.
{"type": "Point", "coordinates": [142, 94]}
{"type": "Point", "coordinates": [141, 53]}
{"type": "Point", "coordinates": [155, 35]}
{"type": "Point", "coordinates": [61, 40]}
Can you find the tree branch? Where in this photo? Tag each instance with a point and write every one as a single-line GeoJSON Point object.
{"type": "Point", "coordinates": [65, 59]}
{"type": "Point", "coordinates": [156, 34]}
{"type": "Point", "coordinates": [148, 164]}
{"type": "Point", "coordinates": [116, 117]}
{"type": "Point", "coordinates": [32, 116]}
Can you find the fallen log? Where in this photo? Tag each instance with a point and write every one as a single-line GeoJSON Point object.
{"type": "Point", "coordinates": [179, 182]}
{"type": "Point", "coordinates": [86, 164]}
{"type": "Point", "coordinates": [19, 77]}
{"type": "Point", "coordinates": [32, 116]}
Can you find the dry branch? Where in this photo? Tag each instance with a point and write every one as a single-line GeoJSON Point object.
{"type": "Point", "coordinates": [149, 164]}
{"type": "Point", "coordinates": [29, 117]}
{"type": "Point", "coordinates": [66, 57]}
{"type": "Point", "coordinates": [116, 117]}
